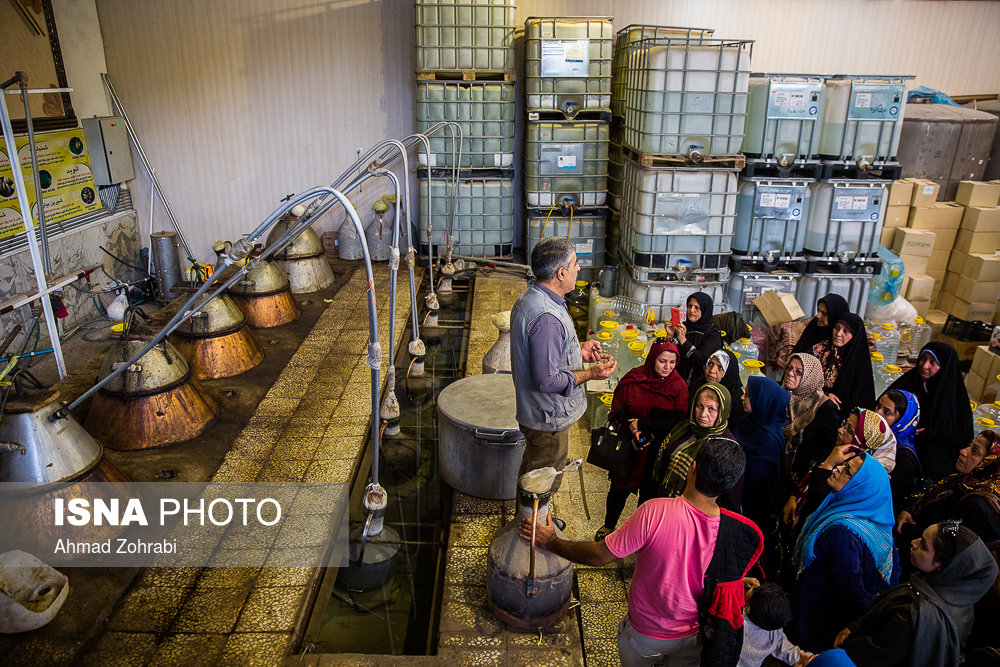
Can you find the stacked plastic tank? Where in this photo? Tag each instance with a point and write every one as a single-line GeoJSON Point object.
{"type": "Point", "coordinates": [820, 151]}
{"type": "Point", "coordinates": [568, 96]}
{"type": "Point", "coordinates": [465, 61]}
{"type": "Point", "coordinates": [681, 94]}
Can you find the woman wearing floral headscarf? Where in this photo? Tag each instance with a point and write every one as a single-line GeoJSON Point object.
{"type": "Point", "coordinates": [813, 419]}
{"type": "Point", "coordinates": [971, 493]}
{"type": "Point", "coordinates": [845, 555]}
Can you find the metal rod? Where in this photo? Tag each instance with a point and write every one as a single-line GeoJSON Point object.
{"type": "Point", "coordinates": [38, 91]}
{"type": "Point", "coordinates": [22, 80]}
{"type": "Point", "coordinates": [529, 584]}
{"type": "Point", "coordinates": [29, 230]}
{"type": "Point", "coordinates": [145, 162]}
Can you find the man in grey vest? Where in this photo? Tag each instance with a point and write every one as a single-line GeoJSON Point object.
{"type": "Point", "coordinates": [547, 358]}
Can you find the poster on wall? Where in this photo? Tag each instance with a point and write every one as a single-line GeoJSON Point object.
{"type": "Point", "coordinates": [64, 174]}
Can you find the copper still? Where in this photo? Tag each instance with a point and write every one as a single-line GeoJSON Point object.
{"type": "Point", "coordinates": [528, 587]}
{"type": "Point", "coordinates": [216, 340]}
{"type": "Point", "coordinates": [155, 402]}
{"type": "Point", "coordinates": [303, 260]}
{"type": "Point", "coordinates": [265, 297]}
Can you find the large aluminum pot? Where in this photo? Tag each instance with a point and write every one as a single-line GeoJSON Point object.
{"type": "Point", "coordinates": [479, 444]}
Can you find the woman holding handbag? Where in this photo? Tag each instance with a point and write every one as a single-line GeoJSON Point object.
{"type": "Point", "coordinates": [655, 393]}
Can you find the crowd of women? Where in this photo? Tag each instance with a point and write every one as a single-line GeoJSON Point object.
{"type": "Point", "coordinates": [881, 514]}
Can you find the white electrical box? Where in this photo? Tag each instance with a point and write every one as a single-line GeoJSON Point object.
{"type": "Point", "coordinates": [107, 145]}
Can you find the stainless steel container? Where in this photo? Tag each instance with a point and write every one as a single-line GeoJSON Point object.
{"type": "Point", "coordinates": [166, 262]}
{"type": "Point", "coordinates": [479, 444]}
{"type": "Point", "coordinates": [946, 144]}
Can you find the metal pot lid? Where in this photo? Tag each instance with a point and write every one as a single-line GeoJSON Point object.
{"type": "Point", "coordinates": [306, 244]}
{"type": "Point", "coordinates": [159, 369]}
{"type": "Point", "coordinates": [480, 402]}
{"type": "Point", "coordinates": [40, 451]}
{"type": "Point", "coordinates": [212, 316]}
{"type": "Point", "coordinates": [265, 278]}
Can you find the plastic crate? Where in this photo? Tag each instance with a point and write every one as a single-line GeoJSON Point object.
{"type": "Point", "coordinates": [566, 161]}
{"type": "Point", "coordinates": [784, 116]}
{"type": "Point", "coordinates": [465, 34]}
{"type": "Point", "coordinates": [483, 224]}
{"type": "Point", "coordinates": [662, 295]}
{"type": "Point", "coordinates": [485, 112]}
{"type": "Point", "coordinates": [845, 218]}
{"type": "Point", "coordinates": [814, 286]}
{"type": "Point", "coordinates": [744, 288]}
{"type": "Point", "coordinates": [587, 231]}
{"type": "Point", "coordinates": [672, 215]}
{"type": "Point", "coordinates": [771, 217]}
{"type": "Point", "coordinates": [686, 94]}
{"type": "Point", "coordinates": [568, 63]}
{"type": "Point", "coordinates": [616, 164]}
{"type": "Point", "coordinates": [863, 117]}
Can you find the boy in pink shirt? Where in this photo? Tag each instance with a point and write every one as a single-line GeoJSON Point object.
{"type": "Point", "coordinates": [675, 541]}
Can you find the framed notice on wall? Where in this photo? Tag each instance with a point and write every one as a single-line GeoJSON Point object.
{"type": "Point", "coordinates": [68, 188]}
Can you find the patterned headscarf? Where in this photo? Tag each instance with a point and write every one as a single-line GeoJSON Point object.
{"type": "Point", "coordinates": [672, 472]}
{"type": "Point", "coordinates": [871, 431]}
{"type": "Point", "coordinates": [807, 397]}
{"type": "Point", "coordinates": [984, 478]}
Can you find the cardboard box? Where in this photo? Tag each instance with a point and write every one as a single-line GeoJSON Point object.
{"type": "Point", "coordinates": [936, 319]}
{"type": "Point", "coordinates": [942, 215]}
{"type": "Point", "coordinates": [986, 362]}
{"type": "Point", "coordinates": [896, 216]}
{"type": "Point", "coordinates": [885, 239]}
{"type": "Point", "coordinates": [982, 311]}
{"type": "Point", "coordinates": [938, 262]}
{"type": "Point", "coordinates": [900, 193]}
{"type": "Point", "coordinates": [917, 286]}
{"type": "Point", "coordinates": [915, 264]}
{"type": "Point", "coordinates": [908, 241]}
{"type": "Point", "coordinates": [944, 239]}
{"type": "Point", "coordinates": [977, 266]}
{"type": "Point", "coordinates": [971, 290]}
{"type": "Point", "coordinates": [979, 219]}
{"type": "Point", "coordinates": [971, 242]}
{"type": "Point", "coordinates": [975, 384]}
{"type": "Point", "coordinates": [977, 193]}
{"type": "Point", "coordinates": [924, 191]}
{"type": "Point", "coordinates": [922, 306]}
{"type": "Point", "coordinates": [778, 307]}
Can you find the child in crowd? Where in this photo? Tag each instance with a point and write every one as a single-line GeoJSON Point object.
{"type": "Point", "coordinates": [767, 612]}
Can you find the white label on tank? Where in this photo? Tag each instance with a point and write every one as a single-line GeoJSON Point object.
{"type": "Point", "coordinates": [845, 202]}
{"type": "Point", "coordinates": [565, 58]}
{"type": "Point", "coordinates": [767, 199]}
{"type": "Point", "coordinates": [587, 248]}
{"type": "Point", "coordinates": [860, 203]}
{"type": "Point", "coordinates": [783, 200]}
{"type": "Point", "coordinates": [786, 99]}
{"type": "Point", "coordinates": [584, 260]}
{"type": "Point", "coordinates": [566, 162]}
{"type": "Point", "coordinates": [863, 100]}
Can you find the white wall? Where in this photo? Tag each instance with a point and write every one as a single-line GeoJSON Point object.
{"type": "Point", "coordinates": [240, 102]}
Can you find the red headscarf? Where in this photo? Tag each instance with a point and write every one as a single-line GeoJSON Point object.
{"type": "Point", "coordinates": [642, 390]}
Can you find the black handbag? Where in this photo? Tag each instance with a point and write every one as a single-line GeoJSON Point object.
{"type": "Point", "coordinates": [611, 451]}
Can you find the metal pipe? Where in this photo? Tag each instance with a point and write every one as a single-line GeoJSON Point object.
{"type": "Point", "coordinates": [145, 162]}
{"type": "Point", "coordinates": [29, 230]}
{"type": "Point", "coordinates": [240, 248]}
{"type": "Point", "coordinates": [498, 262]}
{"type": "Point", "coordinates": [22, 80]}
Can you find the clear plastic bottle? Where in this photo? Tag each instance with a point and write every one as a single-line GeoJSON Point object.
{"type": "Point", "coordinates": [983, 424]}
{"type": "Point", "coordinates": [749, 368]}
{"type": "Point", "coordinates": [992, 391]}
{"type": "Point", "coordinates": [885, 376]}
{"type": "Point", "coordinates": [636, 355]}
{"type": "Point", "coordinates": [600, 406]}
{"type": "Point", "coordinates": [973, 405]}
{"type": "Point", "coordinates": [905, 338]}
{"type": "Point", "coordinates": [878, 360]}
{"type": "Point", "coordinates": [878, 340]}
{"type": "Point", "coordinates": [745, 348]}
{"type": "Point", "coordinates": [921, 336]}
{"type": "Point", "coordinates": [890, 342]}
{"type": "Point", "coordinates": [609, 344]}
{"type": "Point", "coordinates": [598, 307]}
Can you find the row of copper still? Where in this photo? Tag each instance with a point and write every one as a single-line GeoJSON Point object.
{"type": "Point", "coordinates": [158, 400]}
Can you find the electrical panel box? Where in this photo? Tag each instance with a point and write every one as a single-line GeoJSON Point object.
{"type": "Point", "coordinates": [107, 145]}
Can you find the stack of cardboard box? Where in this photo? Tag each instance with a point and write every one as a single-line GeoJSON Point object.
{"type": "Point", "coordinates": [972, 285]}
{"type": "Point", "coordinates": [983, 372]}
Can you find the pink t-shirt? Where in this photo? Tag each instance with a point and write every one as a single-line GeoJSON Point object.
{"type": "Point", "coordinates": [675, 542]}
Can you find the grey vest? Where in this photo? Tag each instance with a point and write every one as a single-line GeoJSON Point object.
{"type": "Point", "coordinates": [535, 409]}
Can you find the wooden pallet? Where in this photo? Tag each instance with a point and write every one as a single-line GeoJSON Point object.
{"type": "Point", "coordinates": [707, 161]}
{"type": "Point", "coordinates": [464, 75]}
